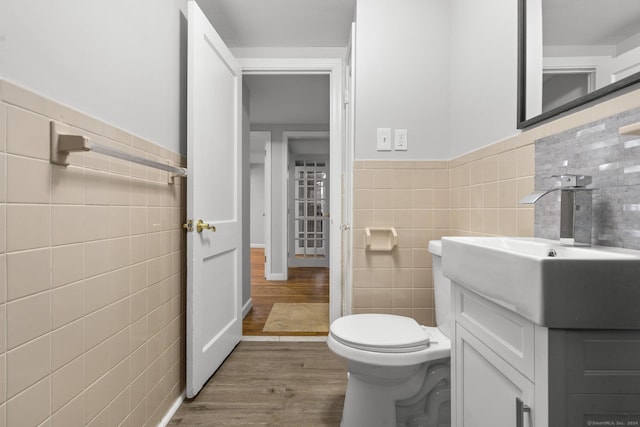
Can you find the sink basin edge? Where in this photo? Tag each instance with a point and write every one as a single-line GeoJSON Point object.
{"type": "Point", "coordinates": [583, 288]}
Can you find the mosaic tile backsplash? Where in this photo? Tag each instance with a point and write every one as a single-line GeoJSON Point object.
{"type": "Point", "coordinates": [612, 160]}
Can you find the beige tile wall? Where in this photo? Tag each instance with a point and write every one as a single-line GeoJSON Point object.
{"type": "Point", "coordinates": [91, 275]}
{"type": "Point", "coordinates": [485, 188]}
{"type": "Point", "coordinates": [475, 194]}
{"type": "Point", "coordinates": [412, 197]}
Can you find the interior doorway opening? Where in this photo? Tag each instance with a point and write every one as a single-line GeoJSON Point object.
{"type": "Point", "coordinates": [308, 199]}
{"type": "Point", "coordinates": [297, 205]}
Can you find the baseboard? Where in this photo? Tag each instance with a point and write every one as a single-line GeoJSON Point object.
{"type": "Point", "coordinates": [247, 307]}
{"type": "Point", "coordinates": [276, 277]}
{"type": "Point", "coordinates": [172, 411]}
{"type": "Point", "coordinates": [257, 245]}
{"type": "Point", "coordinates": [283, 338]}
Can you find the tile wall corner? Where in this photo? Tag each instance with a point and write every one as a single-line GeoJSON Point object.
{"type": "Point", "coordinates": [475, 194]}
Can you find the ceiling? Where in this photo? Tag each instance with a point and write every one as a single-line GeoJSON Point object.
{"type": "Point", "coordinates": [327, 23]}
{"type": "Point", "coordinates": [571, 22]}
{"type": "Point", "coordinates": [281, 23]}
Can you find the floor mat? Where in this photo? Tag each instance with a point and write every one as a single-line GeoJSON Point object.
{"type": "Point", "coordinates": [302, 317]}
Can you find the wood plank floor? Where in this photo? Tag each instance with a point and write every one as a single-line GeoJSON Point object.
{"type": "Point", "coordinates": [308, 284]}
{"type": "Point", "coordinates": [273, 384]}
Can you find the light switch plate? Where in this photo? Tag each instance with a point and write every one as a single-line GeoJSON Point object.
{"type": "Point", "coordinates": [384, 139]}
{"type": "Point", "coordinates": [400, 140]}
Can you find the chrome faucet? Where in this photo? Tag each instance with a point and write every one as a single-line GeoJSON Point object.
{"type": "Point", "coordinates": [575, 208]}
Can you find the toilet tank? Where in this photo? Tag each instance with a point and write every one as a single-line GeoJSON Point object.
{"type": "Point", "coordinates": [441, 288]}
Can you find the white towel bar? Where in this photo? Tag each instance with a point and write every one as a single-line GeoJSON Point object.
{"type": "Point", "coordinates": [63, 144]}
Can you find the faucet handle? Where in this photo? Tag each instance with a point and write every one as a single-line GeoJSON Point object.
{"type": "Point", "coordinates": [572, 181]}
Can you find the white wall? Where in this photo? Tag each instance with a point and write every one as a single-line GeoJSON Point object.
{"type": "Point", "coordinates": [483, 73]}
{"type": "Point", "coordinates": [289, 98]}
{"type": "Point", "coordinates": [402, 76]}
{"type": "Point", "coordinates": [257, 205]}
{"type": "Point", "coordinates": [445, 70]}
{"type": "Point", "coordinates": [121, 61]}
{"type": "Point", "coordinates": [626, 64]}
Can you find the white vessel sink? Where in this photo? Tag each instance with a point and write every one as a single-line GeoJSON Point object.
{"type": "Point", "coordinates": [550, 284]}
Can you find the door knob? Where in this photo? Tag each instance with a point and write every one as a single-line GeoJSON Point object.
{"type": "Point", "coordinates": [201, 225]}
{"type": "Point", "coordinates": [188, 226]}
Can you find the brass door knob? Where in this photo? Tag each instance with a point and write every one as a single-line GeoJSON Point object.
{"type": "Point", "coordinates": [201, 225]}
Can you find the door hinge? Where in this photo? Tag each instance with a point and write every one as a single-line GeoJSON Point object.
{"type": "Point", "coordinates": [188, 226]}
{"type": "Point", "coordinates": [265, 259]}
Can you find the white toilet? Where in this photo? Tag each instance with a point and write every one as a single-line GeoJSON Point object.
{"type": "Point", "coordinates": [399, 371]}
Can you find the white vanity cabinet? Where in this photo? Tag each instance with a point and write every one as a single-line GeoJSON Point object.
{"type": "Point", "coordinates": [500, 365]}
{"type": "Point", "coordinates": [543, 327]}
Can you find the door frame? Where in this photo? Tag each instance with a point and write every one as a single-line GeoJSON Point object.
{"type": "Point", "coordinates": [334, 68]}
{"type": "Point", "coordinates": [347, 169]}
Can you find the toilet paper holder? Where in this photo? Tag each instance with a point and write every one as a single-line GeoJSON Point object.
{"type": "Point", "coordinates": [381, 239]}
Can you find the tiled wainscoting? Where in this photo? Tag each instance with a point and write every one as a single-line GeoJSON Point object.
{"type": "Point", "coordinates": [91, 275]}
{"type": "Point", "coordinates": [413, 197]}
{"type": "Point", "coordinates": [475, 194]}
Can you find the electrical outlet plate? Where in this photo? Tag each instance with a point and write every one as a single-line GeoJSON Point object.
{"type": "Point", "coordinates": [384, 139]}
{"type": "Point", "coordinates": [400, 140]}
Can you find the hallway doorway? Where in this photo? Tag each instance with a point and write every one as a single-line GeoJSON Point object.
{"type": "Point", "coordinates": [306, 285]}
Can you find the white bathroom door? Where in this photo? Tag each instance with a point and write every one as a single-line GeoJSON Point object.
{"type": "Point", "coordinates": [214, 271]}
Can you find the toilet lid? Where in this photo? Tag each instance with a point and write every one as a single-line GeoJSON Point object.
{"type": "Point", "coordinates": [382, 333]}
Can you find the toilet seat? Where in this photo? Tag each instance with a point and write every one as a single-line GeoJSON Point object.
{"type": "Point", "coordinates": [380, 333]}
{"type": "Point", "coordinates": [409, 344]}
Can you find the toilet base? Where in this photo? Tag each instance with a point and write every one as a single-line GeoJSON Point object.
{"type": "Point", "coordinates": [374, 405]}
{"type": "Point", "coordinates": [431, 406]}
{"type": "Point", "coordinates": [403, 404]}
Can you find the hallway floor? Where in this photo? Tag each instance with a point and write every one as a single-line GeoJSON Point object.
{"type": "Point", "coordinates": [305, 285]}
{"type": "Point", "coordinates": [270, 383]}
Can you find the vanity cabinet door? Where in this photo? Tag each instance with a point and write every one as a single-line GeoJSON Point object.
{"type": "Point", "coordinates": [487, 386]}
